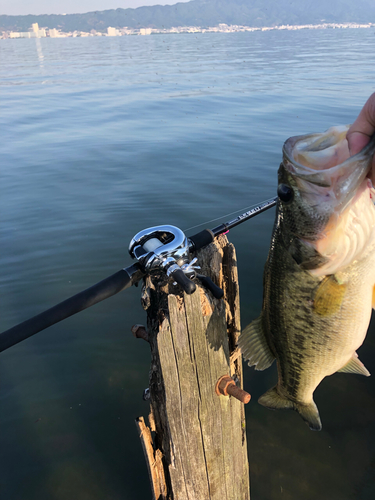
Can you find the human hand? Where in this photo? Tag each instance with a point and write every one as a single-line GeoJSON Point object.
{"type": "Point", "coordinates": [362, 129]}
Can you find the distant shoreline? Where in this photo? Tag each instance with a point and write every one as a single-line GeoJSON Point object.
{"type": "Point", "coordinates": [45, 32]}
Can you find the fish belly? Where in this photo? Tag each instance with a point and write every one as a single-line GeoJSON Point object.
{"type": "Point", "coordinates": [310, 343]}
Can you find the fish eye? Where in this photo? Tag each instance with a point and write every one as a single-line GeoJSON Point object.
{"type": "Point", "coordinates": [285, 193]}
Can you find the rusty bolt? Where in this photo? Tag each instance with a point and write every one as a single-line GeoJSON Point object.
{"type": "Point", "coordinates": [226, 386]}
{"type": "Point", "coordinates": [140, 332]}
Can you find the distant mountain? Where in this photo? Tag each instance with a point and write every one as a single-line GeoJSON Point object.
{"type": "Point", "coordinates": [205, 13]}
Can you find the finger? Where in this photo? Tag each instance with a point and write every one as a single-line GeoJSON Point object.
{"type": "Point", "coordinates": [356, 142]}
{"type": "Point", "coordinates": [363, 128]}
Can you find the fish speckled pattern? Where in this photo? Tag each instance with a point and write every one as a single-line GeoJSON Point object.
{"type": "Point", "coordinates": [320, 272]}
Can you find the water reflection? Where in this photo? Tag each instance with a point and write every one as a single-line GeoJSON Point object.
{"type": "Point", "coordinates": [39, 52]}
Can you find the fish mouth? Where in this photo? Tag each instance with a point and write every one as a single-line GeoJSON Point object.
{"type": "Point", "coordinates": [322, 166]}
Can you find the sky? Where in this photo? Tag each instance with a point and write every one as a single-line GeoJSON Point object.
{"type": "Point", "coordinates": [23, 7]}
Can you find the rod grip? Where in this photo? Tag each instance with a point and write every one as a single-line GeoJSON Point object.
{"type": "Point", "coordinates": [82, 300]}
{"type": "Point", "coordinates": [202, 239]}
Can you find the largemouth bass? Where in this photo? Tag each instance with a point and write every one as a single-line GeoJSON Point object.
{"type": "Point", "coordinates": [320, 273]}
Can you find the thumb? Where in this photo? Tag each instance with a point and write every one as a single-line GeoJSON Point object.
{"type": "Point", "coordinates": [363, 128]}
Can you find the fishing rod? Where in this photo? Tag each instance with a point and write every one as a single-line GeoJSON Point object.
{"type": "Point", "coordinates": [160, 249]}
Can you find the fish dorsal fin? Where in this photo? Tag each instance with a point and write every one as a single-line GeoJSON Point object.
{"type": "Point", "coordinates": [309, 412]}
{"type": "Point", "coordinates": [329, 296]}
{"type": "Point", "coordinates": [254, 347]}
{"type": "Point", "coordinates": [355, 366]}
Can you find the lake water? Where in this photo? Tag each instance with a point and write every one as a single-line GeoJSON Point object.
{"type": "Point", "coordinates": [102, 137]}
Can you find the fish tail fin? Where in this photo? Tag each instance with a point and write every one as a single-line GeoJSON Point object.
{"type": "Point", "coordinates": [310, 415]}
{"type": "Point", "coordinates": [309, 412]}
{"type": "Point", "coordinates": [254, 347]}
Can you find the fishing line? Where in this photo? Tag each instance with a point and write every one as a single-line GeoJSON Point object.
{"type": "Point", "coordinates": [241, 210]}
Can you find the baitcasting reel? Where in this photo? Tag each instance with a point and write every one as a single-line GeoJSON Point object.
{"type": "Point", "coordinates": [166, 248]}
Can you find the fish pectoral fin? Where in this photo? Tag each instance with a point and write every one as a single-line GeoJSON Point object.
{"type": "Point", "coordinates": [305, 254]}
{"type": "Point", "coordinates": [355, 366]}
{"type": "Point", "coordinates": [254, 347]}
{"type": "Point", "coordinates": [329, 296]}
{"type": "Point", "coordinates": [309, 412]}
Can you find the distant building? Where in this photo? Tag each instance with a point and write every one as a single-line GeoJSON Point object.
{"type": "Point", "coordinates": [37, 32]}
{"type": "Point", "coordinates": [20, 34]}
{"type": "Point", "coordinates": [34, 32]}
{"type": "Point", "coordinates": [145, 31]}
{"type": "Point", "coordinates": [112, 31]}
{"type": "Point", "coordinates": [53, 33]}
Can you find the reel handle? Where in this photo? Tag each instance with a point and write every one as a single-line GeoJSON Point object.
{"type": "Point", "coordinates": [207, 282]}
{"type": "Point", "coordinates": [180, 277]}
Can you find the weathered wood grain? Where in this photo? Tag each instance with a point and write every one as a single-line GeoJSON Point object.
{"type": "Point", "coordinates": [154, 459]}
{"type": "Point", "coordinates": [193, 343]}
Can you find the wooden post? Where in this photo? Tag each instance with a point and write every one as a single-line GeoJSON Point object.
{"type": "Point", "coordinates": [195, 446]}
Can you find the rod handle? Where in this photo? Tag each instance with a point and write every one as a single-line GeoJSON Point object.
{"type": "Point", "coordinates": [106, 288]}
{"type": "Point", "coordinates": [202, 239]}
